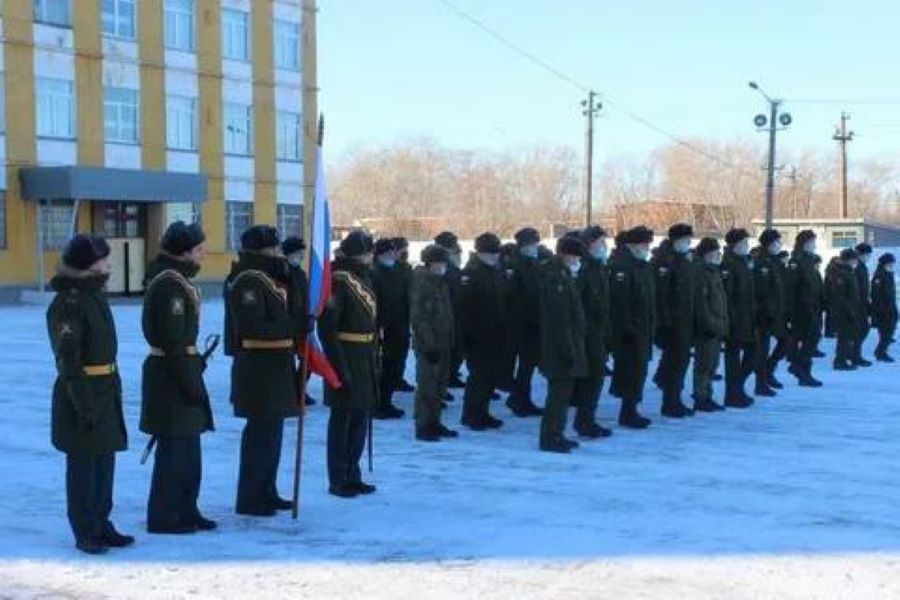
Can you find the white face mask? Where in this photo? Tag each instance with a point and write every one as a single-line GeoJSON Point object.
{"type": "Point", "coordinates": [640, 251]}
{"type": "Point", "coordinates": [713, 258]}
{"type": "Point", "coordinates": [864, 259]}
{"type": "Point", "coordinates": [810, 247]}
{"type": "Point", "coordinates": [575, 266]}
{"type": "Point", "coordinates": [682, 246]}
{"type": "Point", "coordinates": [295, 261]}
{"type": "Point", "coordinates": [775, 247]}
{"type": "Point", "coordinates": [439, 269]}
{"type": "Point", "coordinates": [889, 267]}
{"type": "Point", "coordinates": [387, 261]}
{"type": "Point", "coordinates": [491, 260]}
{"type": "Point", "coordinates": [600, 251]}
{"type": "Point", "coordinates": [455, 259]}
{"type": "Point", "coordinates": [529, 251]}
{"type": "Point", "coordinates": [742, 248]}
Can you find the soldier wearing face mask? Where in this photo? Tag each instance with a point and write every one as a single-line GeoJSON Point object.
{"type": "Point", "coordinates": [862, 274]}
{"type": "Point", "coordinates": [805, 294]}
{"type": "Point", "coordinates": [845, 305]}
{"type": "Point", "coordinates": [389, 282]}
{"type": "Point", "coordinates": [525, 320]}
{"type": "Point", "coordinates": [483, 324]}
{"type": "Point", "coordinates": [449, 242]}
{"type": "Point", "coordinates": [563, 329]}
{"type": "Point", "coordinates": [294, 250]}
{"type": "Point", "coordinates": [632, 307]}
{"type": "Point", "coordinates": [769, 273]}
{"type": "Point", "coordinates": [884, 306]}
{"type": "Point", "coordinates": [433, 331]}
{"type": "Point", "coordinates": [673, 279]}
{"type": "Point", "coordinates": [740, 341]}
{"type": "Point", "coordinates": [711, 323]}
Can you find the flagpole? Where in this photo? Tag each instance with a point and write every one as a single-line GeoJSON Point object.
{"type": "Point", "coordinates": [304, 366]}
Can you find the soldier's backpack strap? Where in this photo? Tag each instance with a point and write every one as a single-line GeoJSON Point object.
{"type": "Point", "coordinates": [192, 291]}
{"type": "Point", "coordinates": [277, 290]}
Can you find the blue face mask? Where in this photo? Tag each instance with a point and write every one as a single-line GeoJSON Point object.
{"type": "Point", "coordinates": [529, 251]}
{"type": "Point", "coordinates": [387, 262]}
{"type": "Point", "coordinates": [682, 246]}
{"type": "Point", "coordinates": [601, 253]}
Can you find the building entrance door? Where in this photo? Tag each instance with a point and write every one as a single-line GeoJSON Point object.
{"type": "Point", "coordinates": [124, 225]}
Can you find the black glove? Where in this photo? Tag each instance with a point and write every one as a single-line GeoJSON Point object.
{"type": "Point", "coordinates": [433, 357]}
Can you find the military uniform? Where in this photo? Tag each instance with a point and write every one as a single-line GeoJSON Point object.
{"type": "Point", "coordinates": [264, 388]}
{"type": "Point", "coordinates": [347, 329]}
{"type": "Point", "coordinates": [741, 337]}
{"type": "Point", "coordinates": [769, 275]}
{"type": "Point", "coordinates": [804, 297]}
{"type": "Point", "coordinates": [392, 290]}
{"type": "Point", "coordinates": [884, 307]}
{"type": "Point", "coordinates": [524, 328]}
{"type": "Point", "coordinates": [563, 360]}
{"type": "Point", "coordinates": [862, 275]}
{"type": "Point", "coordinates": [846, 308]}
{"type": "Point", "coordinates": [632, 306]}
{"type": "Point", "coordinates": [594, 284]}
{"type": "Point", "coordinates": [87, 421]}
{"type": "Point", "coordinates": [712, 324]}
{"type": "Point", "coordinates": [433, 332]}
{"type": "Point", "coordinates": [484, 329]}
{"type": "Point", "coordinates": [175, 405]}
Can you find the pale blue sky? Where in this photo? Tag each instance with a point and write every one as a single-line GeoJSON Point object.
{"type": "Point", "coordinates": [396, 68]}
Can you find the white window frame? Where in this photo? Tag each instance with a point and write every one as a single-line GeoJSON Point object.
{"type": "Point", "coordinates": [181, 25]}
{"type": "Point", "coordinates": [284, 218]}
{"type": "Point", "coordinates": [181, 115]}
{"type": "Point", "coordinates": [57, 219]}
{"type": "Point", "coordinates": [122, 27]}
{"type": "Point", "coordinates": [123, 105]}
{"type": "Point", "coordinates": [237, 129]}
{"type": "Point", "coordinates": [287, 45]}
{"type": "Point", "coordinates": [233, 227]}
{"type": "Point", "coordinates": [55, 98]}
{"type": "Point", "coordinates": [235, 34]}
{"type": "Point", "coordinates": [57, 13]}
{"type": "Point", "coordinates": [288, 136]}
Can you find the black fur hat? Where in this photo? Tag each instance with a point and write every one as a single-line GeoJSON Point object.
{"type": "Point", "coordinates": [768, 236]}
{"type": "Point", "coordinates": [570, 245]}
{"type": "Point", "coordinates": [736, 236]}
{"type": "Point", "coordinates": [849, 254]}
{"type": "Point", "coordinates": [864, 248]}
{"type": "Point", "coordinates": [638, 235]}
{"type": "Point", "coordinates": [259, 237]}
{"type": "Point", "coordinates": [680, 230]}
{"type": "Point", "coordinates": [592, 233]}
{"type": "Point", "coordinates": [886, 259]}
{"type": "Point", "coordinates": [400, 243]}
{"type": "Point", "coordinates": [356, 243]}
{"type": "Point", "coordinates": [706, 246]}
{"type": "Point", "coordinates": [384, 245]}
{"type": "Point", "coordinates": [434, 253]}
{"type": "Point", "coordinates": [527, 235]}
{"type": "Point", "coordinates": [82, 251]}
{"type": "Point", "coordinates": [181, 237]}
{"type": "Point", "coordinates": [293, 244]}
{"type": "Point", "coordinates": [487, 243]}
{"type": "Point", "coordinates": [803, 237]}
{"type": "Point", "coordinates": [448, 240]}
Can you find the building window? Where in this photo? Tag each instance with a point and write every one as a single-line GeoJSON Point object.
{"type": "Point", "coordinates": [290, 220]}
{"type": "Point", "coordinates": [182, 211]}
{"type": "Point", "coordinates": [119, 18]}
{"type": "Point", "coordinates": [57, 223]}
{"type": "Point", "coordinates": [235, 35]}
{"type": "Point", "coordinates": [55, 108]}
{"type": "Point", "coordinates": [3, 242]}
{"type": "Point", "coordinates": [2, 102]}
{"type": "Point", "coordinates": [287, 136]}
{"type": "Point", "coordinates": [120, 108]}
{"type": "Point", "coordinates": [287, 45]}
{"type": "Point", "coordinates": [238, 129]}
{"type": "Point", "coordinates": [843, 239]}
{"type": "Point", "coordinates": [53, 12]}
{"type": "Point", "coordinates": [238, 218]}
{"type": "Point", "coordinates": [181, 123]}
{"type": "Point", "coordinates": [180, 25]}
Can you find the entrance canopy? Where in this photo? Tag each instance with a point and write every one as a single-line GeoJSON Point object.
{"type": "Point", "coordinates": [118, 185]}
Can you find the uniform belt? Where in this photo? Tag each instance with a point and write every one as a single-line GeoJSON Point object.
{"type": "Point", "coordinates": [267, 344]}
{"type": "Point", "coordinates": [356, 338]}
{"type": "Point", "coordinates": [99, 370]}
{"type": "Point", "coordinates": [189, 350]}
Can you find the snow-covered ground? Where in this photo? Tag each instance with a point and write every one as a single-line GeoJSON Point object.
{"type": "Point", "coordinates": [795, 498]}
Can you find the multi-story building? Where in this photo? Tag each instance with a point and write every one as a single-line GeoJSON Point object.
{"type": "Point", "coordinates": [120, 116]}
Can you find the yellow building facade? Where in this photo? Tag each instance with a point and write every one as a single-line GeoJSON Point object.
{"type": "Point", "coordinates": [121, 116]}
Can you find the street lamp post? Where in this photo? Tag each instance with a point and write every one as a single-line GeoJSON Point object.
{"type": "Point", "coordinates": [590, 109]}
{"type": "Point", "coordinates": [772, 121]}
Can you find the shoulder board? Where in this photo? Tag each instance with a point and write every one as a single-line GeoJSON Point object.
{"type": "Point", "coordinates": [262, 277]}
{"type": "Point", "coordinates": [192, 291]}
{"type": "Point", "coordinates": [359, 289]}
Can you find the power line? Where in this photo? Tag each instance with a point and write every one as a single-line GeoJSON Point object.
{"type": "Point", "coordinates": [530, 56]}
{"type": "Point", "coordinates": [848, 101]}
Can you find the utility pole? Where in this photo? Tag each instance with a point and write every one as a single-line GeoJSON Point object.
{"type": "Point", "coordinates": [590, 109]}
{"type": "Point", "coordinates": [842, 136]}
{"type": "Point", "coordinates": [773, 120]}
{"type": "Point", "coordinates": [793, 178]}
